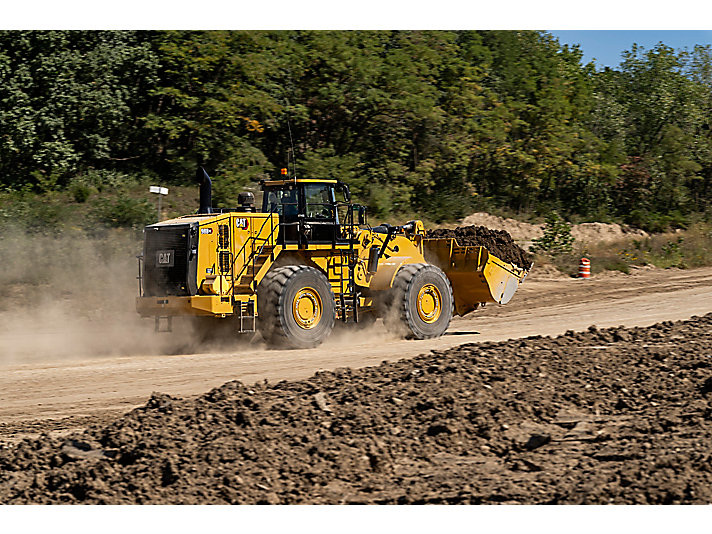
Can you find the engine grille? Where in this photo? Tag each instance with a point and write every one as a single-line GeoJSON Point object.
{"type": "Point", "coordinates": [167, 261]}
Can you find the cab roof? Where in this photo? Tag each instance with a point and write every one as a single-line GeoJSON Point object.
{"type": "Point", "coordinates": [299, 181]}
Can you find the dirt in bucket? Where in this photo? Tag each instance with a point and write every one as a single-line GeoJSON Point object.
{"type": "Point", "coordinates": [497, 242]}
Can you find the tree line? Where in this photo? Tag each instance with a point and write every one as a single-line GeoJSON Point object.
{"type": "Point", "coordinates": [431, 122]}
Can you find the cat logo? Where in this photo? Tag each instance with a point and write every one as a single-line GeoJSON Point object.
{"type": "Point", "coordinates": [242, 223]}
{"type": "Point", "coordinates": [206, 230]}
{"type": "Point", "coordinates": [164, 258]}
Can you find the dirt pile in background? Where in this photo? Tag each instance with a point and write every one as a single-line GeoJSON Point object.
{"type": "Point", "coordinates": [601, 232]}
{"type": "Point", "coordinates": [519, 230]}
{"type": "Point", "coordinates": [583, 232]}
{"type": "Point", "coordinates": [498, 242]}
{"type": "Point", "coordinates": [603, 416]}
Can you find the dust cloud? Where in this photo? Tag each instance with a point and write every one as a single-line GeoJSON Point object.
{"type": "Point", "coordinates": [73, 296]}
{"type": "Point", "coordinates": [349, 334]}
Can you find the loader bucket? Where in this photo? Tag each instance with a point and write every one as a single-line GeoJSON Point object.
{"type": "Point", "coordinates": [476, 275]}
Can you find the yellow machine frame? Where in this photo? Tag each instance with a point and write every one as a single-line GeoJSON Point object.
{"type": "Point", "coordinates": [237, 249]}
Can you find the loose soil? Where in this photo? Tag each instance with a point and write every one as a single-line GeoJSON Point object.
{"type": "Point", "coordinates": [498, 242]}
{"type": "Point", "coordinates": [583, 232]}
{"type": "Point", "coordinates": [119, 377]}
{"type": "Point", "coordinates": [617, 415]}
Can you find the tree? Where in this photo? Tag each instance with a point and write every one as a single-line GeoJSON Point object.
{"type": "Point", "coordinates": [70, 99]}
{"type": "Point", "coordinates": [557, 238]}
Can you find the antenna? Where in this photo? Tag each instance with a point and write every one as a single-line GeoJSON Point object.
{"type": "Point", "coordinates": [291, 146]}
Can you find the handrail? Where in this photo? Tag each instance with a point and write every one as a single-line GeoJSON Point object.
{"type": "Point", "coordinates": [251, 260]}
{"type": "Point", "coordinates": [140, 274]}
{"type": "Point", "coordinates": [252, 240]}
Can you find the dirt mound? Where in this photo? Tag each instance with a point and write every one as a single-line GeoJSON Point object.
{"type": "Point", "coordinates": [498, 242]}
{"type": "Point", "coordinates": [596, 417]}
{"type": "Point", "coordinates": [584, 232]}
{"type": "Point", "coordinates": [546, 271]}
{"type": "Point", "coordinates": [595, 232]}
{"type": "Point", "coordinates": [519, 230]}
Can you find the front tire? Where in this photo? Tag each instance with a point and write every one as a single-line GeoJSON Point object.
{"type": "Point", "coordinates": [421, 302]}
{"type": "Point", "coordinates": [296, 307]}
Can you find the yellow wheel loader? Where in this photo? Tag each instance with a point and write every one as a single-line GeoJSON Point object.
{"type": "Point", "coordinates": [309, 258]}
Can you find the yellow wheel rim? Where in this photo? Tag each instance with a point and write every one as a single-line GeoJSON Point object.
{"type": "Point", "coordinates": [307, 308]}
{"type": "Point", "coordinates": [429, 303]}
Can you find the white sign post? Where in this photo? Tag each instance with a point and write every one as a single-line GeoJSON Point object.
{"type": "Point", "coordinates": [160, 191]}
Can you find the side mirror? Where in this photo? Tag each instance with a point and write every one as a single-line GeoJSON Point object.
{"type": "Point", "coordinates": [344, 189]}
{"type": "Point", "coordinates": [361, 215]}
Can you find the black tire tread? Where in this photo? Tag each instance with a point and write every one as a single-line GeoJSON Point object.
{"type": "Point", "coordinates": [271, 304]}
{"type": "Point", "coordinates": [399, 317]}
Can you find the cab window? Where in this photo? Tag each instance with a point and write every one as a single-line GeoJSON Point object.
{"type": "Point", "coordinates": [319, 201]}
{"type": "Point", "coordinates": [283, 201]}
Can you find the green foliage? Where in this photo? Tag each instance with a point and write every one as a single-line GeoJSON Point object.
{"type": "Point", "coordinates": [70, 99]}
{"type": "Point", "coordinates": [681, 249]}
{"type": "Point", "coordinates": [30, 212]}
{"type": "Point", "coordinates": [425, 122]}
{"type": "Point", "coordinates": [656, 222]}
{"type": "Point", "coordinates": [238, 174]}
{"type": "Point", "coordinates": [104, 180]}
{"type": "Point", "coordinates": [557, 238]}
{"type": "Point", "coordinates": [125, 212]}
{"type": "Point", "coordinates": [80, 192]}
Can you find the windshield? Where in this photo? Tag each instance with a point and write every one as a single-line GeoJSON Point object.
{"type": "Point", "coordinates": [319, 201]}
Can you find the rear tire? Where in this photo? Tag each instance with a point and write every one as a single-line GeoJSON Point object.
{"type": "Point", "coordinates": [420, 303]}
{"type": "Point", "coordinates": [296, 307]}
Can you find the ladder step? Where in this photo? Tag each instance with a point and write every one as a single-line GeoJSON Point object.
{"type": "Point", "coordinates": [246, 322]}
{"type": "Point", "coordinates": [257, 266]}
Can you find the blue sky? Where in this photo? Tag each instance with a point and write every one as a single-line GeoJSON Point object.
{"type": "Point", "coordinates": [606, 46]}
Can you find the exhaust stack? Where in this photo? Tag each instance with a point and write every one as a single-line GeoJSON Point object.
{"type": "Point", "coordinates": [206, 191]}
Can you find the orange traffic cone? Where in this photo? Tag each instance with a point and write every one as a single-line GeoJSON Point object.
{"type": "Point", "coordinates": [585, 269]}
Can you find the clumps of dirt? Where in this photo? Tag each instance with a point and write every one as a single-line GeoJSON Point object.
{"type": "Point", "coordinates": [603, 416]}
{"type": "Point", "coordinates": [498, 242]}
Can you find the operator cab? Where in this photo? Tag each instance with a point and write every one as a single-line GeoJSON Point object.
{"type": "Point", "coordinates": [308, 209]}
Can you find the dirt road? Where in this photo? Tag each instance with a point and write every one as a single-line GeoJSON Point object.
{"type": "Point", "coordinates": [49, 395]}
{"type": "Point", "coordinates": [604, 416]}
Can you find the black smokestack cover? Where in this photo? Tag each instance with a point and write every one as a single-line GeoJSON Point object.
{"type": "Point", "coordinates": [206, 191]}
